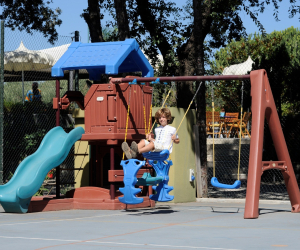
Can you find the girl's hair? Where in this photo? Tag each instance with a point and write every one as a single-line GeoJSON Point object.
{"type": "Point", "coordinates": [164, 111]}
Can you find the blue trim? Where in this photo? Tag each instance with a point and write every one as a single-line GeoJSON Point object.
{"type": "Point", "coordinates": [156, 81]}
{"type": "Point", "coordinates": [133, 82]}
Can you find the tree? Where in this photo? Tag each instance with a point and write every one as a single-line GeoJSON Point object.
{"type": "Point", "coordinates": [92, 16]}
{"type": "Point", "coordinates": [31, 15]}
{"type": "Point", "coordinates": [278, 54]}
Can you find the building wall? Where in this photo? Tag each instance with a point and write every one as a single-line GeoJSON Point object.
{"type": "Point", "coordinates": [81, 152]}
{"type": "Point", "coordinates": [183, 156]}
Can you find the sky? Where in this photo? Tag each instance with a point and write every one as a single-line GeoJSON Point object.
{"type": "Point", "coordinates": [72, 21]}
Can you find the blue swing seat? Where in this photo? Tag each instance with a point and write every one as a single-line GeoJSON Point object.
{"type": "Point", "coordinates": [214, 181]}
{"type": "Point", "coordinates": [162, 189]}
{"type": "Point", "coordinates": [158, 160]}
{"type": "Point", "coordinates": [130, 168]}
{"type": "Point", "coordinates": [148, 180]}
{"type": "Point", "coordinates": [157, 156]}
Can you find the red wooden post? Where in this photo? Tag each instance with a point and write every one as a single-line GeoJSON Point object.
{"type": "Point", "coordinates": [112, 167]}
{"type": "Point", "coordinates": [263, 105]}
{"type": "Point", "coordinates": [58, 102]}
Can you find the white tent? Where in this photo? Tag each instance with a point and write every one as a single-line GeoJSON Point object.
{"type": "Point", "coordinates": [56, 52]}
{"type": "Point", "coordinates": [239, 69]}
{"type": "Point", "coordinates": [23, 59]}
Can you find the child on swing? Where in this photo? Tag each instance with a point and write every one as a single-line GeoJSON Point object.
{"type": "Point", "coordinates": [164, 137]}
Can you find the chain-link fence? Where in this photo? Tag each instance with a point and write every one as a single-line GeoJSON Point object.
{"type": "Point", "coordinates": [27, 122]}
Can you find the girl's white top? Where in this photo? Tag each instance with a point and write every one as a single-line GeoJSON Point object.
{"type": "Point", "coordinates": [163, 136]}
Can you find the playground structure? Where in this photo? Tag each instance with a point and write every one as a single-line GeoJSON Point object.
{"type": "Point", "coordinates": [105, 108]}
{"type": "Point", "coordinates": [105, 122]}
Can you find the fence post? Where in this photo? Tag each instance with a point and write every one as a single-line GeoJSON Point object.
{"type": "Point", "coordinates": [76, 71]}
{"type": "Point", "coordinates": [1, 101]}
{"type": "Point", "coordinates": [198, 162]}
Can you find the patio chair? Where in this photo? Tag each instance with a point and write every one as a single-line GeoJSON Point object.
{"type": "Point", "coordinates": [213, 128]}
{"type": "Point", "coordinates": [235, 126]}
{"type": "Point", "coordinates": [229, 119]}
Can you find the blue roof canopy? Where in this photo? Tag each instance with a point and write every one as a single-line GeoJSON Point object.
{"type": "Point", "coordinates": [103, 58]}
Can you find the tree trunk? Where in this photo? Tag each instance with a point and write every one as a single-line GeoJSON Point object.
{"type": "Point", "coordinates": [200, 25]}
{"type": "Point", "coordinates": [191, 58]}
{"type": "Point", "coordinates": [122, 19]}
{"type": "Point", "coordinates": [192, 63]}
{"type": "Point", "coordinates": [92, 19]}
{"type": "Point", "coordinates": [187, 68]}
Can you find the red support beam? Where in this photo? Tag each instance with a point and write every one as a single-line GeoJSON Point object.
{"type": "Point", "coordinates": [263, 106]}
{"type": "Point", "coordinates": [180, 78]}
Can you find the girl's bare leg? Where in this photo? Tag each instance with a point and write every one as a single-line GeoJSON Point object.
{"type": "Point", "coordinates": [147, 148]}
{"type": "Point", "coordinates": [141, 144]}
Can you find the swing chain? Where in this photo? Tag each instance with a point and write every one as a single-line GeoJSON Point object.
{"type": "Point", "coordinates": [128, 109]}
{"type": "Point", "coordinates": [240, 135]}
{"type": "Point", "coordinates": [186, 111]}
{"type": "Point", "coordinates": [213, 126]}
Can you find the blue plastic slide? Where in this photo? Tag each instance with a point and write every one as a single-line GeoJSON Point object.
{"type": "Point", "coordinates": [15, 195]}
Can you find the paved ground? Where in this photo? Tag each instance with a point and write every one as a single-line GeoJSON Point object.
{"type": "Point", "coordinates": [168, 226]}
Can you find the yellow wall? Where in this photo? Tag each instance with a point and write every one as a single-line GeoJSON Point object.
{"type": "Point", "coordinates": [183, 156]}
{"type": "Point", "coordinates": [81, 150]}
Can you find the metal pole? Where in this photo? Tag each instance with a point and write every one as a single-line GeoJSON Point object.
{"type": "Point", "coordinates": [57, 124]}
{"type": "Point", "coordinates": [76, 71]}
{"type": "Point", "coordinates": [1, 101]}
{"type": "Point", "coordinates": [71, 77]}
{"type": "Point", "coordinates": [23, 91]}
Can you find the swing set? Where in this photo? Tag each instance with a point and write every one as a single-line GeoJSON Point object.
{"type": "Point", "coordinates": [105, 107]}
{"type": "Point", "coordinates": [263, 107]}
